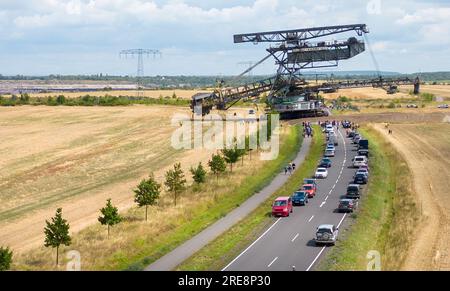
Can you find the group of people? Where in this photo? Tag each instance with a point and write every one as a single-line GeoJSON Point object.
{"type": "Point", "coordinates": [289, 168]}
{"type": "Point", "coordinates": [307, 130]}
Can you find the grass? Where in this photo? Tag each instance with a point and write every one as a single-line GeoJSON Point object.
{"type": "Point", "coordinates": [134, 244]}
{"type": "Point", "coordinates": [387, 215]}
{"type": "Point", "coordinates": [225, 248]}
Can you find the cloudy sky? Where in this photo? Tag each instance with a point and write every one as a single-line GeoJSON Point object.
{"type": "Point", "coordinates": [40, 37]}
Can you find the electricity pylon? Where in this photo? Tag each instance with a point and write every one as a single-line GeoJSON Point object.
{"type": "Point", "coordinates": [140, 53]}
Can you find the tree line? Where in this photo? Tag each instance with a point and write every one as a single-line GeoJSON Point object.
{"type": "Point", "coordinates": [146, 194]}
{"type": "Point", "coordinates": [87, 100]}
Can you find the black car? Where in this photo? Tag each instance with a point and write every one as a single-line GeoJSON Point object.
{"type": "Point", "coordinates": [353, 191]}
{"type": "Point", "coordinates": [300, 198]}
{"type": "Point", "coordinates": [325, 163]}
{"type": "Point", "coordinates": [360, 179]}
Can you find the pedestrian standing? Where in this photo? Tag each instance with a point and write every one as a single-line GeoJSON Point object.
{"type": "Point", "coordinates": [293, 166]}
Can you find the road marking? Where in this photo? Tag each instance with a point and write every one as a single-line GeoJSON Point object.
{"type": "Point", "coordinates": [315, 260]}
{"type": "Point", "coordinates": [241, 254]}
{"type": "Point", "coordinates": [274, 260]}
{"type": "Point", "coordinates": [295, 237]}
{"type": "Point", "coordinates": [342, 220]}
{"type": "Point", "coordinates": [323, 203]}
{"type": "Point", "coordinates": [327, 198]}
{"type": "Point", "coordinates": [312, 217]}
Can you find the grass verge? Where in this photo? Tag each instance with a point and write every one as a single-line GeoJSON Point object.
{"type": "Point", "coordinates": [225, 248]}
{"type": "Point", "coordinates": [387, 216]}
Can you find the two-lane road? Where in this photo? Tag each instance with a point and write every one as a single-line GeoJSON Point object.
{"type": "Point", "coordinates": [289, 241]}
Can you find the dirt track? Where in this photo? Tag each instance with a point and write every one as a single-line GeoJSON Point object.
{"type": "Point", "coordinates": [426, 148]}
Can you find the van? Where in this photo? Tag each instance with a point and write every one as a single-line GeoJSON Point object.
{"type": "Point", "coordinates": [360, 161]}
{"type": "Point", "coordinates": [282, 207]}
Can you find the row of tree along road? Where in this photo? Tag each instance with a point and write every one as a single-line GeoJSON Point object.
{"type": "Point", "coordinates": [146, 194]}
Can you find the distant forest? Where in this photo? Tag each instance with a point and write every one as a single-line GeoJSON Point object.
{"type": "Point", "coordinates": [211, 81]}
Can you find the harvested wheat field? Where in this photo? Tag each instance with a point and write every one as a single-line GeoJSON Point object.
{"type": "Point", "coordinates": [426, 148]}
{"type": "Point", "coordinates": [184, 94]}
{"type": "Point", "coordinates": [365, 94]}
{"type": "Point", "coordinates": [438, 90]}
{"type": "Point", "coordinates": [76, 158]}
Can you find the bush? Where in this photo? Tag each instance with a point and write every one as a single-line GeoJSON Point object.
{"type": "Point", "coordinates": [5, 258]}
{"type": "Point", "coordinates": [391, 105]}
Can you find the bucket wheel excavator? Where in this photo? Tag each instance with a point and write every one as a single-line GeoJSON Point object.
{"type": "Point", "coordinates": [294, 51]}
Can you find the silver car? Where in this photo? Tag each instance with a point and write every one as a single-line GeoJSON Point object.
{"type": "Point", "coordinates": [326, 234]}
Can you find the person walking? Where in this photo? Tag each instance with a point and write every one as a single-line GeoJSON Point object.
{"type": "Point", "coordinates": [293, 166]}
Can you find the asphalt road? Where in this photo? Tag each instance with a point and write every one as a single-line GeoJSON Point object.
{"type": "Point", "coordinates": [171, 260]}
{"type": "Point", "coordinates": [289, 241]}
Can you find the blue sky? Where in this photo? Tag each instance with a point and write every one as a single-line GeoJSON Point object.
{"type": "Point", "coordinates": [40, 37]}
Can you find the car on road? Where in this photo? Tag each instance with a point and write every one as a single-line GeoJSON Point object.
{"type": "Point", "coordinates": [311, 182]}
{"type": "Point", "coordinates": [357, 138]}
{"type": "Point", "coordinates": [310, 189]}
{"type": "Point", "coordinates": [330, 153]}
{"type": "Point", "coordinates": [300, 198]}
{"type": "Point", "coordinates": [353, 191]}
{"type": "Point", "coordinates": [326, 163]}
{"type": "Point", "coordinates": [282, 207]}
{"type": "Point", "coordinates": [329, 128]}
{"type": "Point", "coordinates": [443, 106]}
{"type": "Point", "coordinates": [321, 173]}
{"type": "Point", "coordinates": [365, 167]}
{"type": "Point", "coordinates": [414, 106]}
{"type": "Point", "coordinates": [351, 134]}
{"type": "Point", "coordinates": [360, 161]}
{"type": "Point", "coordinates": [346, 124]}
{"type": "Point", "coordinates": [330, 146]}
{"type": "Point", "coordinates": [360, 179]}
{"type": "Point", "coordinates": [363, 171]}
{"type": "Point", "coordinates": [347, 205]}
{"type": "Point", "coordinates": [326, 234]}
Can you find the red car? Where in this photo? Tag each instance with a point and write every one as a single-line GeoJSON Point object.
{"type": "Point", "coordinates": [282, 207]}
{"type": "Point", "coordinates": [310, 189]}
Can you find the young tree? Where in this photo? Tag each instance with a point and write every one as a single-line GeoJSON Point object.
{"type": "Point", "coordinates": [199, 174]}
{"type": "Point", "coordinates": [217, 165]}
{"type": "Point", "coordinates": [57, 233]}
{"type": "Point", "coordinates": [147, 193]}
{"type": "Point", "coordinates": [175, 181]}
{"type": "Point", "coordinates": [231, 156]}
{"type": "Point", "coordinates": [5, 258]}
{"type": "Point", "coordinates": [110, 215]}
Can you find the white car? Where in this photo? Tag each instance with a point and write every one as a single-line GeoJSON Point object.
{"type": "Point", "coordinates": [360, 161]}
{"type": "Point", "coordinates": [327, 234]}
{"type": "Point", "coordinates": [321, 173]}
{"type": "Point", "coordinates": [330, 153]}
{"type": "Point", "coordinates": [444, 106]}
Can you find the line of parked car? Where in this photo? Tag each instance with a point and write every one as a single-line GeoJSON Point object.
{"type": "Point", "coordinates": [327, 234]}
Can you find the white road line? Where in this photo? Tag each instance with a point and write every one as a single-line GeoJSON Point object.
{"type": "Point", "coordinates": [327, 198]}
{"type": "Point", "coordinates": [241, 254]}
{"type": "Point", "coordinates": [274, 260]}
{"type": "Point", "coordinates": [315, 260]}
{"type": "Point", "coordinates": [295, 237]}
{"type": "Point", "coordinates": [323, 203]}
{"type": "Point", "coordinates": [312, 217]}
{"type": "Point", "coordinates": [342, 220]}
